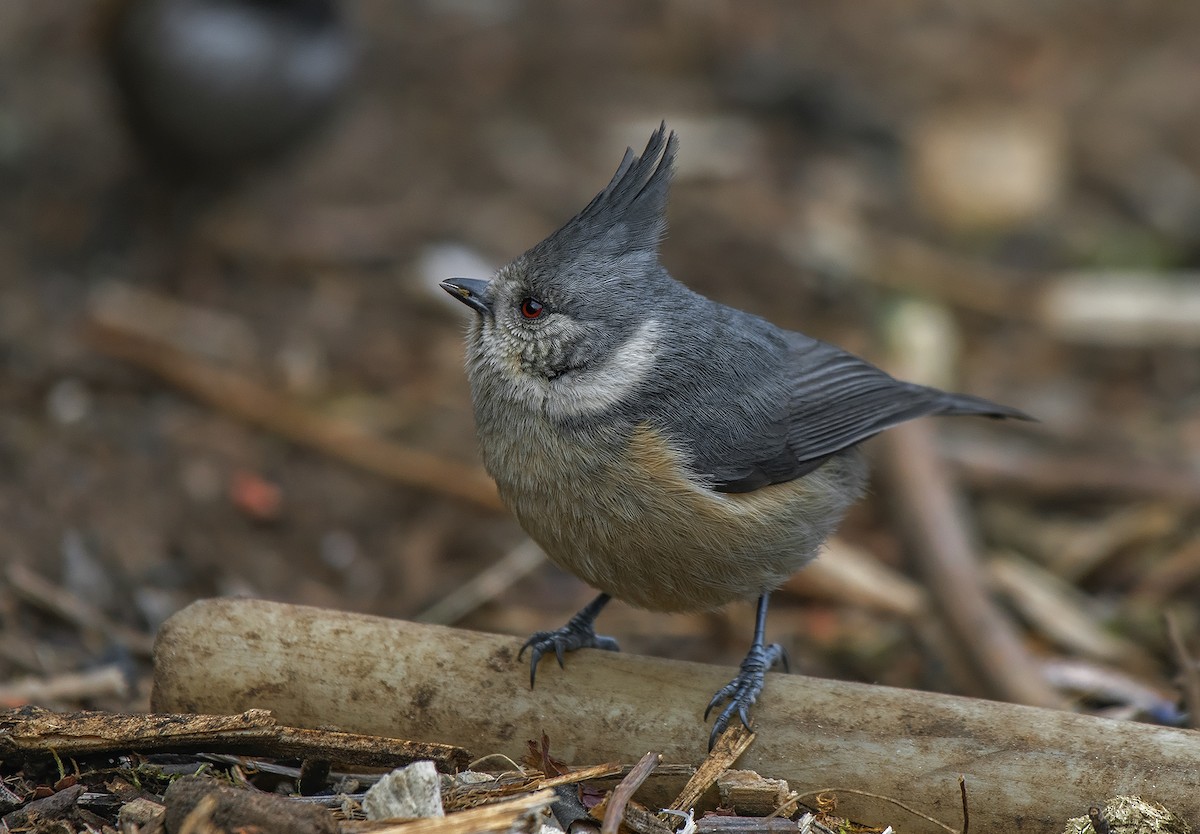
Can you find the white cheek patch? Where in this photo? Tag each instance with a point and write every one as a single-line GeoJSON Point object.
{"type": "Point", "coordinates": [598, 389]}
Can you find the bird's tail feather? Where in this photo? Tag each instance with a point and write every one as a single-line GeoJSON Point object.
{"type": "Point", "coordinates": [967, 405]}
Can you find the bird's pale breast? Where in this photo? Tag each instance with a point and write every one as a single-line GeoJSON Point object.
{"type": "Point", "coordinates": [627, 517]}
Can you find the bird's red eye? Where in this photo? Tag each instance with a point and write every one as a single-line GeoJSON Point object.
{"type": "Point", "coordinates": [531, 308]}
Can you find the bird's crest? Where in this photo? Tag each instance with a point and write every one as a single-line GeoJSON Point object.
{"type": "Point", "coordinates": [629, 216]}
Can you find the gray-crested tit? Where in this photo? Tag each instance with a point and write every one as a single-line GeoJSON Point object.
{"type": "Point", "coordinates": [210, 87]}
{"type": "Point", "coordinates": [668, 450]}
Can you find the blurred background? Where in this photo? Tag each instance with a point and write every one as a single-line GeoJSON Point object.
{"type": "Point", "coordinates": [223, 223]}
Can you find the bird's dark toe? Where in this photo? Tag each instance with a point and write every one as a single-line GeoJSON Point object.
{"type": "Point", "coordinates": [569, 638]}
{"type": "Point", "coordinates": [740, 693]}
{"type": "Point", "coordinates": [723, 694]}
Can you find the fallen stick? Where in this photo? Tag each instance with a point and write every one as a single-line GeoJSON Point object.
{"type": "Point", "coordinates": [1029, 769]}
{"type": "Point", "coordinates": [103, 682]}
{"type": "Point", "coordinates": [32, 732]}
{"type": "Point", "coordinates": [849, 575]}
{"type": "Point", "coordinates": [932, 518]}
{"type": "Point", "coordinates": [912, 267]}
{"type": "Point", "coordinates": [1053, 473]}
{"type": "Point", "coordinates": [1189, 669]}
{"type": "Point", "coordinates": [37, 590]}
{"type": "Point", "coordinates": [929, 513]}
{"type": "Point", "coordinates": [746, 825]}
{"type": "Point", "coordinates": [204, 804]}
{"type": "Point", "coordinates": [243, 398]}
{"type": "Point", "coordinates": [486, 585]}
{"type": "Point", "coordinates": [615, 804]}
{"type": "Point", "coordinates": [508, 815]}
{"type": "Point", "coordinates": [730, 746]}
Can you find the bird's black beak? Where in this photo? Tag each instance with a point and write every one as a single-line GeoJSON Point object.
{"type": "Point", "coordinates": [469, 291]}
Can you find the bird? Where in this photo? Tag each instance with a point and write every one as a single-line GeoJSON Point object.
{"type": "Point", "coordinates": [211, 89]}
{"type": "Point", "coordinates": [670, 451]}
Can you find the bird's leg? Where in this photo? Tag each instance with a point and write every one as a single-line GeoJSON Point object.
{"type": "Point", "coordinates": [578, 633]}
{"type": "Point", "coordinates": [743, 690]}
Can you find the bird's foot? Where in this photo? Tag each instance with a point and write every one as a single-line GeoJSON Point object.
{"type": "Point", "coordinates": [578, 633]}
{"type": "Point", "coordinates": [742, 691]}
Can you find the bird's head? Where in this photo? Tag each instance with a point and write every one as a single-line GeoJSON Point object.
{"type": "Point", "coordinates": [580, 310]}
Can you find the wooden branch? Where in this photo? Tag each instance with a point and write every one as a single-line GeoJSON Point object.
{"type": "Point", "coordinates": [201, 803]}
{"type": "Point", "coordinates": [246, 400]}
{"type": "Point", "coordinates": [495, 817]}
{"type": "Point", "coordinates": [103, 681]}
{"type": "Point", "coordinates": [914, 267]}
{"type": "Point", "coordinates": [730, 746]}
{"type": "Point", "coordinates": [486, 585]}
{"type": "Point", "coordinates": [928, 512]}
{"type": "Point", "coordinates": [1053, 473]}
{"type": "Point", "coordinates": [37, 590]}
{"type": "Point", "coordinates": [1189, 669]}
{"type": "Point", "coordinates": [35, 732]}
{"type": "Point", "coordinates": [583, 774]}
{"type": "Point", "coordinates": [641, 820]}
{"type": "Point", "coordinates": [1122, 308]}
{"type": "Point", "coordinates": [372, 675]}
{"type": "Point", "coordinates": [615, 804]}
{"type": "Point", "coordinates": [849, 575]}
{"type": "Point", "coordinates": [1057, 610]}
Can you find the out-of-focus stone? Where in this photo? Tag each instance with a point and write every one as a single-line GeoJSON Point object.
{"type": "Point", "coordinates": [987, 170]}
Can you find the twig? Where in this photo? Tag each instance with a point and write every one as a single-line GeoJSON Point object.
{"type": "Point", "coordinates": [787, 808]}
{"type": "Point", "coordinates": [889, 799]}
{"type": "Point", "coordinates": [1083, 677]}
{"type": "Point", "coordinates": [1072, 549]}
{"type": "Point", "coordinates": [106, 681]}
{"type": "Point", "coordinates": [1125, 309]}
{"type": "Point", "coordinates": [487, 585]}
{"type": "Point", "coordinates": [35, 732]}
{"type": "Point", "coordinates": [849, 575]}
{"type": "Point", "coordinates": [1050, 473]}
{"type": "Point", "coordinates": [1056, 609]}
{"type": "Point", "coordinates": [615, 807]}
{"type": "Point", "coordinates": [641, 820]}
{"type": "Point", "coordinates": [912, 266]}
{"type": "Point", "coordinates": [1189, 669]}
{"type": "Point", "coordinates": [499, 816]}
{"type": "Point", "coordinates": [471, 794]}
{"type": "Point", "coordinates": [928, 512]}
{"type": "Point", "coordinates": [962, 789]}
{"type": "Point", "coordinates": [930, 515]}
{"type": "Point", "coordinates": [36, 589]}
{"type": "Point", "coordinates": [242, 398]}
{"type": "Point", "coordinates": [1168, 576]}
{"type": "Point", "coordinates": [583, 774]}
{"type": "Point", "coordinates": [729, 747]}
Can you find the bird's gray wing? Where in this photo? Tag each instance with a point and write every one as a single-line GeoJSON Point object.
{"type": "Point", "coordinates": [815, 401]}
{"type": "Point", "coordinates": [838, 400]}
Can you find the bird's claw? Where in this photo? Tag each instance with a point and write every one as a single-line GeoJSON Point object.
{"type": "Point", "coordinates": [742, 691]}
{"type": "Point", "coordinates": [574, 635]}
